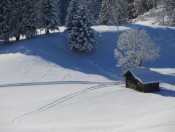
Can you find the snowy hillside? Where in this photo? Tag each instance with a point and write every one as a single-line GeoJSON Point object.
{"type": "Point", "coordinates": [46, 87]}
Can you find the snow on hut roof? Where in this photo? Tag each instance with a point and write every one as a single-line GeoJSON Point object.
{"type": "Point", "coordinates": [144, 75]}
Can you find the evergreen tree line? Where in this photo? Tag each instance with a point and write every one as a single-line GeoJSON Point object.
{"type": "Point", "coordinates": [23, 18]}
{"type": "Point", "coordinates": [113, 8]}
{"type": "Point", "coordinates": [168, 12]}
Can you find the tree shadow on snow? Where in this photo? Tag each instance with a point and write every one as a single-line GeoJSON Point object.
{"type": "Point", "coordinates": [57, 83]}
{"type": "Point", "coordinates": [54, 48]}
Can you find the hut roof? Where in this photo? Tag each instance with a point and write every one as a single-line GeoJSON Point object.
{"type": "Point", "coordinates": [144, 75]}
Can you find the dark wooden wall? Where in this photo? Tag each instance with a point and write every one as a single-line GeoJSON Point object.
{"type": "Point", "coordinates": [151, 87]}
{"type": "Point", "coordinates": [133, 83]}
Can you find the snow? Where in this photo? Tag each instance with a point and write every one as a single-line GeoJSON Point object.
{"type": "Point", "coordinates": [152, 17]}
{"type": "Point", "coordinates": [104, 28]}
{"type": "Point", "coordinates": [45, 87]}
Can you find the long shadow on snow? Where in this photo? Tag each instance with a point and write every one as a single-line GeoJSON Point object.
{"type": "Point", "coordinates": [169, 79]}
{"type": "Point", "coordinates": [166, 92]}
{"type": "Point", "coordinates": [54, 48]}
{"type": "Point", "coordinates": [55, 83]}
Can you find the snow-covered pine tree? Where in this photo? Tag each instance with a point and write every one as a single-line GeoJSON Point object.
{"type": "Point", "coordinates": [138, 7]}
{"type": "Point", "coordinates": [94, 7]}
{"type": "Point", "coordinates": [80, 36]}
{"type": "Point", "coordinates": [70, 14]}
{"type": "Point", "coordinates": [151, 4]}
{"type": "Point", "coordinates": [51, 14]}
{"type": "Point", "coordinates": [105, 12]}
{"type": "Point", "coordinates": [135, 47]}
{"type": "Point", "coordinates": [2, 15]}
{"type": "Point", "coordinates": [16, 18]}
{"type": "Point", "coordinates": [170, 11]}
{"type": "Point", "coordinates": [119, 12]}
{"type": "Point", "coordinates": [131, 11]}
{"type": "Point", "coordinates": [113, 12]}
{"type": "Point", "coordinates": [63, 9]}
{"type": "Point", "coordinates": [30, 18]}
{"type": "Point", "coordinates": [5, 16]}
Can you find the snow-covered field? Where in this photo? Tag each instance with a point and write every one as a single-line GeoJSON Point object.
{"type": "Point", "coordinates": [45, 87]}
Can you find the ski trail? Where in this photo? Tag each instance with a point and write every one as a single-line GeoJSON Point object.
{"type": "Point", "coordinates": [63, 99]}
{"type": "Point", "coordinates": [49, 83]}
{"type": "Point", "coordinates": [54, 103]}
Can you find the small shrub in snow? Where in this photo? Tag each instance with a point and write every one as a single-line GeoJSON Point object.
{"type": "Point", "coordinates": [134, 47]}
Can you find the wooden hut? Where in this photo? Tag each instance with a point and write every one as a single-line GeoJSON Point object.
{"type": "Point", "coordinates": [142, 80]}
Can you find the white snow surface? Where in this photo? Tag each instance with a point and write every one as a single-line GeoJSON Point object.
{"type": "Point", "coordinates": [45, 87]}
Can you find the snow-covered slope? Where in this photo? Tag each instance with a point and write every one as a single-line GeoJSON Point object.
{"type": "Point", "coordinates": [155, 16]}
{"type": "Point", "coordinates": [45, 87]}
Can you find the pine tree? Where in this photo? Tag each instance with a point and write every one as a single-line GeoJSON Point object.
{"type": "Point", "coordinates": [151, 4]}
{"type": "Point", "coordinates": [120, 12]}
{"type": "Point", "coordinates": [138, 7]}
{"type": "Point", "coordinates": [80, 36]}
{"type": "Point", "coordinates": [94, 7]}
{"type": "Point", "coordinates": [16, 18]}
{"type": "Point", "coordinates": [113, 12]}
{"type": "Point", "coordinates": [131, 11]}
{"type": "Point", "coordinates": [5, 27]}
{"type": "Point", "coordinates": [170, 11]}
{"type": "Point", "coordinates": [105, 12]}
{"type": "Point", "coordinates": [2, 18]}
{"type": "Point", "coordinates": [70, 14]}
{"type": "Point", "coordinates": [30, 18]}
{"type": "Point", "coordinates": [51, 14]}
{"type": "Point", "coordinates": [141, 6]}
{"type": "Point", "coordinates": [63, 9]}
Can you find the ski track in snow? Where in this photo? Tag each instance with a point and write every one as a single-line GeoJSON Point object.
{"type": "Point", "coordinates": [65, 98]}
{"type": "Point", "coordinates": [51, 83]}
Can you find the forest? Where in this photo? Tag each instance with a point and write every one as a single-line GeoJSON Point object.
{"type": "Point", "coordinates": [24, 18]}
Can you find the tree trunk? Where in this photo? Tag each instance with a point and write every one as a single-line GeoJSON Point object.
{"type": "Point", "coordinates": [17, 38]}
{"type": "Point", "coordinates": [47, 31]}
